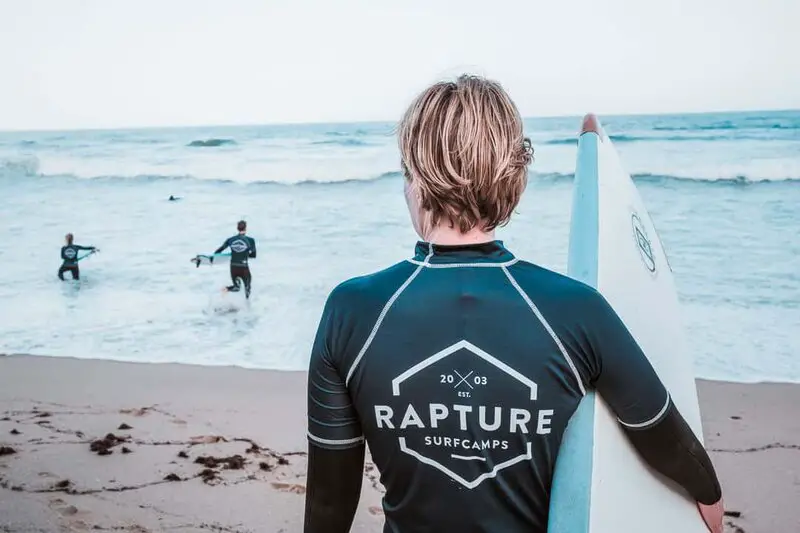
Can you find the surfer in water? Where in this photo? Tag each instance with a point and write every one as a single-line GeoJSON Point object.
{"type": "Point", "coordinates": [242, 248]}
{"type": "Point", "coordinates": [461, 366]}
{"type": "Point", "coordinates": [69, 255]}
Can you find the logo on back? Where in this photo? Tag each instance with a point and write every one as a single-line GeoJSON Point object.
{"type": "Point", "coordinates": [465, 413]}
{"type": "Point", "coordinates": [70, 253]}
{"type": "Point", "coordinates": [643, 243]}
{"type": "Point", "coordinates": [239, 246]}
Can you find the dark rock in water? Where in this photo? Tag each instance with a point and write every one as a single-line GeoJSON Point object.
{"type": "Point", "coordinates": [263, 465]}
{"type": "Point", "coordinates": [210, 143]}
{"type": "Point", "coordinates": [124, 427]}
{"type": "Point", "coordinates": [736, 417]}
{"type": "Point", "coordinates": [283, 461]}
{"type": "Point", "coordinates": [63, 484]}
{"type": "Point", "coordinates": [125, 449]}
{"type": "Point", "coordinates": [172, 477]}
{"type": "Point", "coordinates": [7, 450]}
{"type": "Point", "coordinates": [183, 455]}
{"type": "Point", "coordinates": [733, 514]}
{"type": "Point", "coordinates": [15, 432]}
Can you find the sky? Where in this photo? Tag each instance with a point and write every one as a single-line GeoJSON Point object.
{"type": "Point", "coordinates": [74, 64]}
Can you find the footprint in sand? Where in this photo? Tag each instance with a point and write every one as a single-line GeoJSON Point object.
{"type": "Point", "coordinates": [206, 439]}
{"type": "Point", "coordinates": [67, 510]}
{"type": "Point", "coordinates": [141, 411]}
{"type": "Point", "coordinates": [288, 487]}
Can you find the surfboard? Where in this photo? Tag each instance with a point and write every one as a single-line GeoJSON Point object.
{"type": "Point", "coordinates": [212, 259]}
{"type": "Point", "coordinates": [601, 485]}
{"type": "Point", "coordinates": [80, 257]}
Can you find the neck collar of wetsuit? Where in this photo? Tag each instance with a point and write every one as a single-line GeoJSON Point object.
{"type": "Point", "coordinates": [484, 252]}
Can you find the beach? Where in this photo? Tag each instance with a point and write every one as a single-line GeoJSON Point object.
{"type": "Point", "coordinates": [114, 446]}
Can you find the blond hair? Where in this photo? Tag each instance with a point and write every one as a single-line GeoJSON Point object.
{"type": "Point", "coordinates": [463, 150]}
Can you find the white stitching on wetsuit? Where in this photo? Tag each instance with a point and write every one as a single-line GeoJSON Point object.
{"type": "Point", "coordinates": [382, 316]}
{"type": "Point", "coordinates": [462, 265]}
{"type": "Point", "coordinates": [334, 442]}
{"type": "Point", "coordinates": [650, 422]}
{"type": "Point", "coordinates": [548, 328]}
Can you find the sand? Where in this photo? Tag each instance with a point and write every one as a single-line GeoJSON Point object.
{"type": "Point", "coordinates": [102, 445]}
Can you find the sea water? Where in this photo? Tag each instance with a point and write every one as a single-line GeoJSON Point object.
{"type": "Point", "coordinates": [325, 203]}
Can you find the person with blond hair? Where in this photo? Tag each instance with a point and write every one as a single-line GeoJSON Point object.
{"type": "Point", "coordinates": [461, 366]}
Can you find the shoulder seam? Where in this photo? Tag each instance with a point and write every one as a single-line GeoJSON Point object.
{"type": "Point", "coordinates": [547, 327]}
{"type": "Point", "coordinates": [381, 317]}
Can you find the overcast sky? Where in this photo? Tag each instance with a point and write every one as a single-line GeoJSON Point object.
{"type": "Point", "coordinates": [68, 64]}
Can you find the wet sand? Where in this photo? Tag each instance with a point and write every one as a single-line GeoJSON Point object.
{"type": "Point", "coordinates": [89, 445]}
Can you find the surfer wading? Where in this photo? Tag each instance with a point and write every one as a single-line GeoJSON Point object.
{"type": "Point", "coordinates": [70, 257]}
{"type": "Point", "coordinates": [461, 366]}
{"type": "Point", "coordinates": [242, 248]}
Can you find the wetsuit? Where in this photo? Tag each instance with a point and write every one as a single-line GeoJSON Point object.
{"type": "Point", "coordinates": [461, 368]}
{"type": "Point", "coordinates": [242, 248]}
{"type": "Point", "coordinates": [69, 254]}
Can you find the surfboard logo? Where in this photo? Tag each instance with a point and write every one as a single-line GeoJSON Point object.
{"type": "Point", "coordinates": [456, 434]}
{"type": "Point", "coordinates": [643, 243]}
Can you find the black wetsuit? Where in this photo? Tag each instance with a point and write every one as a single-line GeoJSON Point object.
{"type": "Point", "coordinates": [461, 369]}
{"type": "Point", "coordinates": [69, 254]}
{"type": "Point", "coordinates": [242, 248]}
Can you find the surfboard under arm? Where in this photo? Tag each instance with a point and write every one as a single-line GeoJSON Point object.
{"type": "Point", "coordinates": [600, 483]}
{"type": "Point", "coordinates": [212, 259]}
{"type": "Point", "coordinates": [87, 254]}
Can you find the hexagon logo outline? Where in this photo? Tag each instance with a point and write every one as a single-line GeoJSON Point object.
{"type": "Point", "coordinates": [463, 344]}
{"type": "Point", "coordinates": [425, 363]}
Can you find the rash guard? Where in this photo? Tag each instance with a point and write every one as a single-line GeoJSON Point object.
{"type": "Point", "coordinates": [242, 248]}
{"type": "Point", "coordinates": [460, 368]}
{"type": "Point", "coordinates": [69, 253]}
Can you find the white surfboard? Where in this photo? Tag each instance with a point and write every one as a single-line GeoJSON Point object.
{"type": "Point", "coordinates": [601, 485]}
{"type": "Point", "coordinates": [212, 259]}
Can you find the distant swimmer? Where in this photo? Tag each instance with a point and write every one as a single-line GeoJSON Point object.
{"type": "Point", "coordinates": [242, 248]}
{"type": "Point", "coordinates": [461, 366]}
{"type": "Point", "coordinates": [69, 254]}
{"type": "Point", "coordinates": [174, 198]}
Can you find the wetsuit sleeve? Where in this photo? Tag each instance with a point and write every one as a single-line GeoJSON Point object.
{"type": "Point", "coordinates": [332, 419]}
{"type": "Point", "coordinates": [333, 488]}
{"type": "Point", "coordinates": [252, 248]}
{"type": "Point", "coordinates": [622, 373]}
{"type": "Point", "coordinates": [84, 247]}
{"type": "Point", "coordinates": [224, 245]}
{"type": "Point", "coordinates": [336, 445]}
{"type": "Point", "coordinates": [628, 383]}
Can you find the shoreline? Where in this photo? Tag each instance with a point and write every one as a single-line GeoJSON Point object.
{"type": "Point", "coordinates": [291, 371]}
{"type": "Point", "coordinates": [153, 446]}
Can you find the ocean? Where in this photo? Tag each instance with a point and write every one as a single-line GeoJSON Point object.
{"type": "Point", "coordinates": [325, 203]}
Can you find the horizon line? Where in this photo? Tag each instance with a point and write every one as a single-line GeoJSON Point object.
{"type": "Point", "coordinates": [577, 117]}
